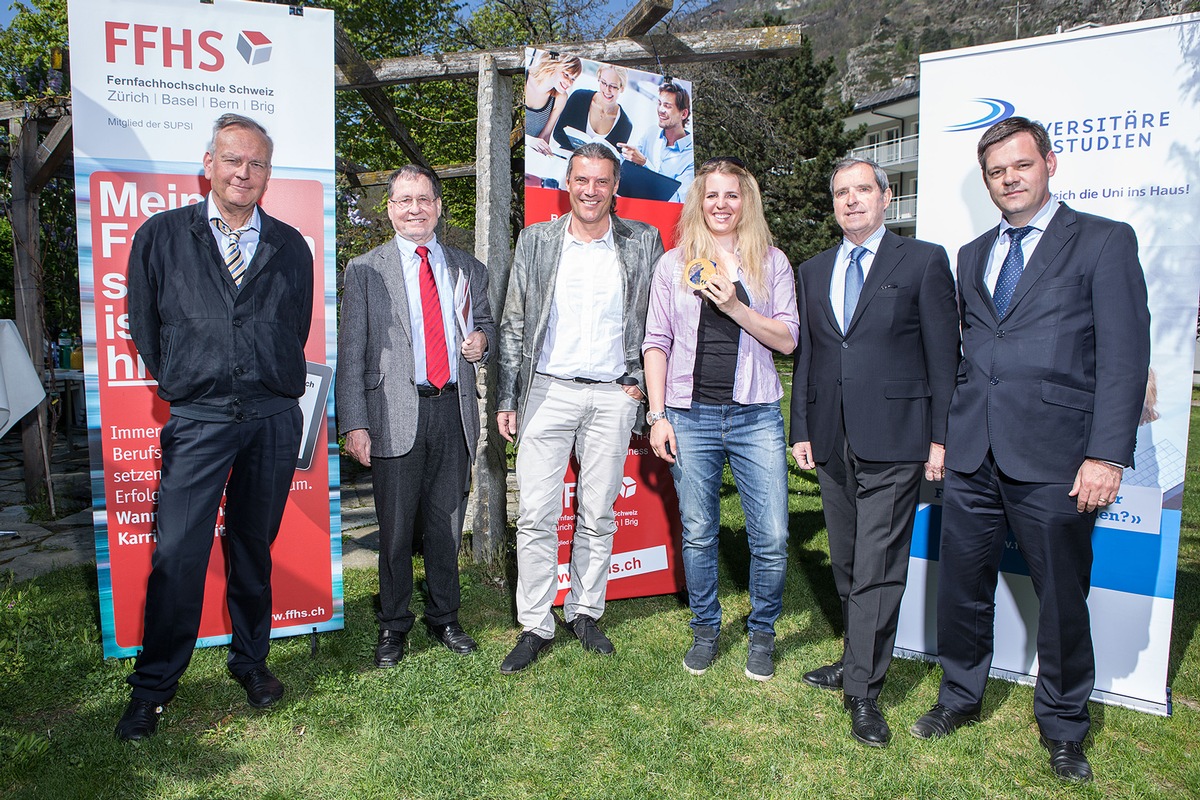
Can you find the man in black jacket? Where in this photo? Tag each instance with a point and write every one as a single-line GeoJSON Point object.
{"type": "Point", "coordinates": [220, 302]}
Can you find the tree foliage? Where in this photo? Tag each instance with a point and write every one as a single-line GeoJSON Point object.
{"type": "Point", "coordinates": [31, 69]}
{"type": "Point", "coordinates": [782, 118]}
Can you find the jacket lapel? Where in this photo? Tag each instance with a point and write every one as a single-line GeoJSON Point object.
{"type": "Point", "coordinates": [979, 270]}
{"type": "Point", "coordinates": [823, 278]}
{"type": "Point", "coordinates": [392, 271]}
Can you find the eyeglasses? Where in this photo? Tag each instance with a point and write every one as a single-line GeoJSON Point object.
{"type": "Point", "coordinates": [612, 87]}
{"type": "Point", "coordinates": [405, 202]}
{"type": "Point", "coordinates": [734, 160]}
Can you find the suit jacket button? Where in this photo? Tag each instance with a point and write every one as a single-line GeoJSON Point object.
{"type": "Point", "coordinates": [845, 345]}
{"type": "Point", "coordinates": [995, 381]}
{"type": "Point", "coordinates": [999, 334]}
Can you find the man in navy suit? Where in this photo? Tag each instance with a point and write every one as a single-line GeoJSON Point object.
{"type": "Point", "coordinates": [872, 386]}
{"type": "Point", "coordinates": [1056, 348]}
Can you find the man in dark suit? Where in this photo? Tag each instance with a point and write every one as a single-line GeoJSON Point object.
{"type": "Point", "coordinates": [415, 320]}
{"type": "Point", "coordinates": [220, 302]}
{"type": "Point", "coordinates": [873, 378]}
{"type": "Point", "coordinates": [1056, 348]}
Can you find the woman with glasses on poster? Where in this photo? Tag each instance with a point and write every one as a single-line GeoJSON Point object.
{"type": "Point", "coordinates": [547, 82]}
{"type": "Point", "coordinates": [597, 113]}
{"type": "Point", "coordinates": [722, 304]}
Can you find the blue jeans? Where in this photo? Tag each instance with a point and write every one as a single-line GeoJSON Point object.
{"type": "Point", "coordinates": [751, 438]}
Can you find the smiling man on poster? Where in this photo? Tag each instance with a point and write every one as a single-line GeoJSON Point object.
{"type": "Point", "coordinates": [220, 303]}
{"type": "Point", "coordinates": [1056, 348]}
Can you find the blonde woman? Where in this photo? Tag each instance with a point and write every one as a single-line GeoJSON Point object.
{"type": "Point", "coordinates": [597, 113]}
{"type": "Point", "coordinates": [547, 82]}
{"type": "Point", "coordinates": [714, 396]}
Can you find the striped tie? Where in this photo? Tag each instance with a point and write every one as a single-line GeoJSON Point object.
{"type": "Point", "coordinates": [235, 262]}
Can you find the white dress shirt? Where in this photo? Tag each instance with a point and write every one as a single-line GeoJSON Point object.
{"type": "Point", "coordinates": [837, 281]}
{"type": "Point", "coordinates": [585, 335]}
{"type": "Point", "coordinates": [1028, 244]}
{"type": "Point", "coordinates": [411, 264]}
{"type": "Point", "coordinates": [247, 242]}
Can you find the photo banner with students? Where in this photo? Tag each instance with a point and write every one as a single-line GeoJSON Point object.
{"type": "Point", "coordinates": [1122, 107]}
{"type": "Point", "coordinates": [148, 79]}
{"type": "Point", "coordinates": [570, 101]}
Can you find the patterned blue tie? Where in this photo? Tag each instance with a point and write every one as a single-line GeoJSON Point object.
{"type": "Point", "coordinates": [854, 284]}
{"type": "Point", "coordinates": [1010, 270]}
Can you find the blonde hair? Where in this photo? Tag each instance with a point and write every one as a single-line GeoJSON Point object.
{"type": "Point", "coordinates": [753, 235]}
{"type": "Point", "coordinates": [1150, 405]}
{"type": "Point", "coordinates": [549, 61]}
{"type": "Point", "coordinates": [621, 73]}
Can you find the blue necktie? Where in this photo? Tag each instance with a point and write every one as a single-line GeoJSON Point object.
{"type": "Point", "coordinates": [1010, 270]}
{"type": "Point", "coordinates": [854, 284]}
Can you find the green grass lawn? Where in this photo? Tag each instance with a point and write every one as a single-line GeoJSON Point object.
{"type": "Point", "coordinates": [573, 726]}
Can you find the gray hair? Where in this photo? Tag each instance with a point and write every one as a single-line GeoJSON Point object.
{"type": "Point", "coordinates": [413, 171]}
{"type": "Point", "coordinates": [238, 121]}
{"type": "Point", "coordinates": [881, 176]}
{"type": "Point", "coordinates": [599, 151]}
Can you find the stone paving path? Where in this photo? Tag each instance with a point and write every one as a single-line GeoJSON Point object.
{"type": "Point", "coordinates": [29, 549]}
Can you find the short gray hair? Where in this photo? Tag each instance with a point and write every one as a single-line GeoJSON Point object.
{"type": "Point", "coordinates": [598, 151]}
{"type": "Point", "coordinates": [238, 121]}
{"type": "Point", "coordinates": [881, 176]}
{"type": "Point", "coordinates": [413, 171]}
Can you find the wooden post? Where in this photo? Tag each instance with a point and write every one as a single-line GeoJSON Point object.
{"type": "Point", "coordinates": [487, 511]}
{"type": "Point", "coordinates": [28, 299]}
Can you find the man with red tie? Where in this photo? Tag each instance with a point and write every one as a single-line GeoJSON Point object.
{"type": "Point", "coordinates": [415, 321]}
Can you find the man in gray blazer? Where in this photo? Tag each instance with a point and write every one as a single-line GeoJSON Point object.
{"type": "Point", "coordinates": [570, 380]}
{"type": "Point", "coordinates": [874, 374]}
{"type": "Point", "coordinates": [415, 321]}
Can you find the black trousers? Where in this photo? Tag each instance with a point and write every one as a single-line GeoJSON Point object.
{"type": "Point", "coordinates": [252, 463]}
{"type": "Point", "coordinates": [421, 495]}
{"type": "Point", "coordinates": [1056, 541]}
{"type": "Point", "coordinates": [869, 509]}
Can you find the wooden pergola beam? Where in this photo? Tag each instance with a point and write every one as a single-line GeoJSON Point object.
{"type": "Point", "coordinates": [641, 18]}
{"type": "Point", "coordinates": [51, 154]}
{"type": "Point", "coordinates": [350, 62]}
{"type": "Point", "coordinates": [693, 47]}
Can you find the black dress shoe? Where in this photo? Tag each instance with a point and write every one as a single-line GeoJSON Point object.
{"type": "Point", "coordinates": [390, 649]}
{"type": "Point", "coordinates": [139, 720]}
{"type": "Point", "coordinates": [1068, 761]}
{"type": "Point", "coordinates": [867, 724]}
{"type": "Point", "coordinates": [940, 721]}
{"type": "Point", "coordinates": [590, 635]}
{"type": "Point", "coordinates": [826, 677]}
{"type": "Point", "coordinates": [529, 647]}
{"type": "Point", "coordinates": [262, 687]}
{"type": "Point", "coordinates": [453, 636]}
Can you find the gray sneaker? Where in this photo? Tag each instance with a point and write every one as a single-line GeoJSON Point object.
{"type": "Point", "coordinates": [759, 664]}
{"type": "Point", "coordinates": [703, 651]}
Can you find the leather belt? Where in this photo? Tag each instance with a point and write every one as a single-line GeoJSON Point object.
{"type": "Point", "coordinates": [424, 390]}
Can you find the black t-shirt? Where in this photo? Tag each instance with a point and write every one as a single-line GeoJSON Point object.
{"type": "Point", "coordinates": [717, 339]}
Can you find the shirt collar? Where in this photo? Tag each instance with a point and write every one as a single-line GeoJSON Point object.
{"type": "Point", "coordinates": [255, 221]}
{"type": "Point", "coordinates": [871, 243]}
{"type": "Point", "coordinates": [408, 248]}
{"type": "Point", "coordinates": [1040, 220]}
{"type": "Point", "coordinates": [606, 240]}
{"type": "Point", "coordinates": [681, 144]}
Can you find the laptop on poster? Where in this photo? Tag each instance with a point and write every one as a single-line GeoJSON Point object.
{"type": "Point", "coordinates": [645, 184]}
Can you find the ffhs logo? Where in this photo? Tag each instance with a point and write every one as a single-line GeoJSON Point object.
{"type": "Point", "coordinates": [254, 47]}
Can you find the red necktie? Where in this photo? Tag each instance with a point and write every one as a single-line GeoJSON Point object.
{"type": "Point", "coordinates": [437, 366]}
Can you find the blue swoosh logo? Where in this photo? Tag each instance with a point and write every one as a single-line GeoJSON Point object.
{"type": "Point", "coordinates": [997, 110]}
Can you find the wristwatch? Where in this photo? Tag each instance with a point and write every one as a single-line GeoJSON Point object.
{"type": "Point", "coordinates": [655, 416]}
